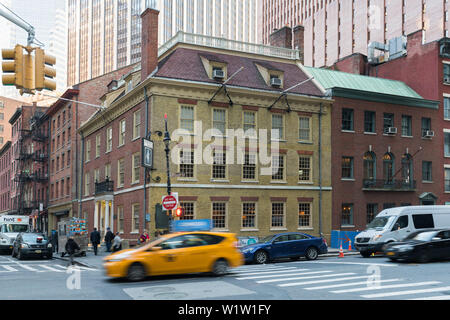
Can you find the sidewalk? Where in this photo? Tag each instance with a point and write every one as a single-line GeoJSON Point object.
{"type": "Point", "coordinates": [96, 261]}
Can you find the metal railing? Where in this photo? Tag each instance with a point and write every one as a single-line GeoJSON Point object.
{"type": "Point", "coordinates": [222, 43]}
{"type": "Point", "coordinates": [389, 185]}
{"type": "Point", "coordinates": [104, 187]}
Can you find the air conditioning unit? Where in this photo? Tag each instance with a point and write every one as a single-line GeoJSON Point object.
{"type": "Point", "coordinates": [218, 74]}
{"type": "Point", "coordinates": [275, 82]}
{"type": "Point", "coordinates": [391, 130]}
{"type": "Point", "coordinates": [428, 134]}
{"type": "Point", "coordinates": [446, 79]}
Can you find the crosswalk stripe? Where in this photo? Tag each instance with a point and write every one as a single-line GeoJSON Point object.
{"type": "Point", "coordinates": [9, 269]}
{"type": "Point", "coordinates": [401, 293]}
{"type": "Point", "coordinates": [347, 284]}
{"type": "Point", "coordinates": [49, 268]}
{"type": "Point", "coordinates": [271, 271]}
{"type": "Point", "coordinates": [308, 277]}
{"type": "Point", "coordinates": [402, 285]}
{"type": "Point", "coordinates": [27, 267]}
{"type": "Point", "coordinates": [320, 281]}
{"type": "Point", "coordinates": [433, 298]}
{"type": "Point", "coordinates": [62, 267]}
{"type": "Point", "coordinates": [282, 275]}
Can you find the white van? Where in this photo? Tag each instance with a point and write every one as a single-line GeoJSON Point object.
{"type": "Point", "coordinates": [395, 224]}
{"type": "Point", "coordinates": [10, 227]}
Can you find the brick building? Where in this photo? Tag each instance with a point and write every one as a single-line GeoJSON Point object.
{"type": "Point", "coordinates": [5, 178]}
{"type": "Point", "coordinates": [384, 153]}
{"type": "Point", "coordinates": [180, 80]}
{"type": "Point", "coordinates": [29, 175]}
{"type": "Point", "coordinates": [425, 67]}
{"type": "Point", "coordinates": [7, 108]}
{"type": "Point", "coordinates": [64, 117]}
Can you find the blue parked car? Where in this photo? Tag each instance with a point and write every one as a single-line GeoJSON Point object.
{"type": "Point", "coordinates": [285, 245]}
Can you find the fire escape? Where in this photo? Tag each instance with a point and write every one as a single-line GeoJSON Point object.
{"type": "Point", "coordinates": [32, 169]}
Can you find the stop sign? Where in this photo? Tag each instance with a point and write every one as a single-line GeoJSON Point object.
{"type": "Point", "coordinates": [169, 202]}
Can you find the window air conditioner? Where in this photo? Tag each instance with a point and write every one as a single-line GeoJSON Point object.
{"type": "Point", "coordinates": [429, 134]}
{"type": "Point", "coordinates": [275, 82]}
{"type": "Point", "coordinates": [391, 130]}
{"type": "Point", "coordinates": [218, 74]}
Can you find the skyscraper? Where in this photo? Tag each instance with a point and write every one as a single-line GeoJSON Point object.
{"type": "Point", "coordinates": [337, 28]}
{"type": "Point", "coordinates": [104, 35]}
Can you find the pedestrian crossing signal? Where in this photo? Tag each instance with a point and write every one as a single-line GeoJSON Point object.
{"type": "Point", "coordinates": [179, 212]}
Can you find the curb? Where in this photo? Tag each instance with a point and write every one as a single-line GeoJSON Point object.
{"type": "Point", "coordinates": [82, 264]}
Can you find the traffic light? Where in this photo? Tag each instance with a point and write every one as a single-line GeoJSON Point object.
{"type": "Point", "coordinates": [44, 70]}
{"type": "Point", "coordinates": [179, 212]}
{"type": "Point", "coordinates": [13, 67]}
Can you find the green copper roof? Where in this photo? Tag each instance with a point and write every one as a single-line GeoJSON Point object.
{"type": "Point", "coordinates": [330, 79]}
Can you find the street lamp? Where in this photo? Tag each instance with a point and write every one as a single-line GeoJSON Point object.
{"type": "Point", "coordinates": [166, 141]}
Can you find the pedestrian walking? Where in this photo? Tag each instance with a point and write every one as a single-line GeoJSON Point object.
{"type": "Point", "coordinates": [71, 248]}
{"type": "Point", "coordinates": [117, 243]}
{"type": "Point", "coordinates": [109, 237]}
{"type": "Point", "coordinates": [95, 239]}
{"type": "Point", "coordinates": [54, 241]}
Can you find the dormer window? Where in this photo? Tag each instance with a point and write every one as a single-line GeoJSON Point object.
{"type": "Point", "coordinates": [273, 77]}
{"type": "Point", "coordinates": [215, 68]}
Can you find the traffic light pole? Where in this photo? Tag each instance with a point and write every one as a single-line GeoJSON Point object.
{"type": "Point", "coordinates": [11, 16]}
{"type": "Point", "coordinates": [167, 150]}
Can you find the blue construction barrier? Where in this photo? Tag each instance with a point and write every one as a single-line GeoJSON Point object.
{"type": "Point", "coordinates": [339, 237]}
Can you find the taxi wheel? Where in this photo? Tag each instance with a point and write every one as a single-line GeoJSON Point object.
{"type": "Point", "coordinates": [136, 272]}
{"type": "Point", "coordinates": [220, 267]}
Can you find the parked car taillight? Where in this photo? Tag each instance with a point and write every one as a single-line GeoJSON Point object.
{"type": "Point", "coordinates": [324, 241]}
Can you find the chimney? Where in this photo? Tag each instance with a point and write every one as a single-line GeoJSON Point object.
{"type": "Point", "coordinates": [281, 38]}
{"type": "Point", "coordinates": [149, 44]}
{"type": "Point", "coordinates": [299, 41]}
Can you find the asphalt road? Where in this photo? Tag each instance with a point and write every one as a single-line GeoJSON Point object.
{"type": "Point", "coordinates": [328, 278]}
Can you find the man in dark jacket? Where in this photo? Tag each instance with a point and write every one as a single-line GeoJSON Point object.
{"type": "Point", "coordinates": [109, 237]}
{"type": "Point", "coordinates": [95, 239]}
{"type": "Point", "coordinates": [71, 247]}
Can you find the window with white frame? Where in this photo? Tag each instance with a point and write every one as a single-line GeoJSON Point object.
{"type": "Point", "coordinates": [187, 163]}
{"type": "Point", "coordinates": [136, 218]}
{"type": "Point", "coordinates": [277, 126]}
{"type": "Point", "coordinates": [249, 167]}
{"type": "Point", "coordinates": [304, 215]}
{"type": "Point", "coordinates": [304, 169]}
{"type": "Point", "coordinates": [304, 128]}
{"type": "Point", "coordinates": [86, 183]}
{"type": "Point", "coordinates": [120, 172]}
{"type": "Point", "coordinates": [249, 215]}
{"type": "Point", "coordinates": [219, 215]}
{"type": "Point", "coordinates": [97, 146]}
{"type": "Point", "coordinates": [278, 167]}
{"type": "Point", "coordinates": [187, 118]}
{"type": "Point", "coordinates": [277, 214]}
{"type": "Point", "coordinates": [219, 120]}
{"type": "Point", "coordinates": [121, 218]}
{"type": "Point", "coordinates": [137, 124]}
{"type": "Point", "coordinates": [109, 132]}
{"type": "Point", "coordinates": [188, 210]}
{"type": "Point", "coordinates": [88, 150]}
{"type": "Point", "coordinates": [136, 167]}
{"type": "Point", "coordinates": [219, 167]}
{"type": "Point", "coordinates": [122, 130]}
{"type": "Point", "coordinates": [250, 123]}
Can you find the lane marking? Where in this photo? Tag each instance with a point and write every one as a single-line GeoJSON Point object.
{"type": "Point", "coordinates": [401, 293]}
{"type": "Point", "coordinates": [348, 284]}
{"type": "Point", "coordinates": [308, 277]}
{"type": "Point", "coordinates": [26, 267]}
{"type": "Point", "coordinates": [321, 281]}
{"type": "Point", "coordinates": [433, 298]}
{"type": "Point", "coordinates": [354, 263]}
{"type": "Point", "coordinates": [402, 285]}
{"type": "Point", "coordinates": [269, 272]}
{"type": "Point", "coordinates": [282, 275]}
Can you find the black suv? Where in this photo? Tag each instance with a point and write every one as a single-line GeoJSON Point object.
{"type": "Point", "coordinates": [32, 244]}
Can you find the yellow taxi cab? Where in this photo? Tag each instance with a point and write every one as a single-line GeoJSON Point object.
{"type": "Point", "coordinates": [184, 252]}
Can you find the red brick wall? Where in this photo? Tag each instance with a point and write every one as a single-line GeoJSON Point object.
{"type": "Point", "coordinates": [357, 144]}
{"type": "Point", "coordinates": [149, 42]}
{"type": "Point", "coordinates": [281, 38]}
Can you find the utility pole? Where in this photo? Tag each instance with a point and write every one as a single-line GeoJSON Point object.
{"type": "Point", "coordinates": [167, 150]}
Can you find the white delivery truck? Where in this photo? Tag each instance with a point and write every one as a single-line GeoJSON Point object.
{"type": "Point", "coordinates": [395, 224]}
{"type": "Point", "coordinates": [10, 227]}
